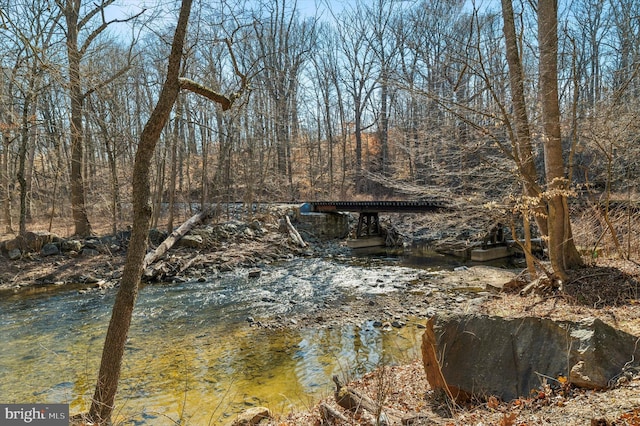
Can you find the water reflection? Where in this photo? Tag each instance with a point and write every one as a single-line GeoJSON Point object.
{"type": "Point", "coordinates": [426, 257]}
{"type": "Point", "coordinates": [191, 354]}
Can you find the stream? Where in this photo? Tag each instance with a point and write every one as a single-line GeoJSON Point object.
{"type": "Point", "coordinates": [195, 355]}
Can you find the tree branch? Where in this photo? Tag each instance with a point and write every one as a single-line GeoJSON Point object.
{"type": "Point", "coordinates": [103, 83]}
{"type": "Point", "coordinates": [95, 33]}
{"type": "Point", "coordinates": [225, 101]}
{"type": "Point", "coordinates": [93, 12]}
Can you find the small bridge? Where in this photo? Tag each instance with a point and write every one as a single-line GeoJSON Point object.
{"type": "Point", "coordinates": [368, 220]}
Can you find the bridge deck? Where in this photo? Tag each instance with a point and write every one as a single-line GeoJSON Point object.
{"type": "Point", "coordinates": [378, 206]}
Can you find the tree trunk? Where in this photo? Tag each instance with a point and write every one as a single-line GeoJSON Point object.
{"type": "Point", "coordinates": [31, 153]}
{"type": "Point", "coordinates": [205, 133]}
{"type": "Point", "coordinates": [383, 128]}
{"type": "Point", "coordinates": [110, 148]}
{"type": "Point", "coordinates": [80, 218]}
{"type": "Point", "coordinates": [174, 166]}
{"type": "Point", "coordinates": [22, 181]}
{"type": "Point", "coordinates": [103, 400]}
{"type": "Point", "coordinates": [22, 155]}
{"type": "Point", "coordinates": [161, 165]}
{"type": "Point", "coordinates": [359, 172]}
{"type": "Point", "coordinates": [562, 251]}
{"type": "Point", "coordinates": [109, 374]}
{"type": "Point", "coordinates": [523, 150]}
{"type": "Point", "coordinates": [6, 185]}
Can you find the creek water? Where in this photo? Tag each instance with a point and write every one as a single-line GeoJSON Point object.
{"type": "Point", "coordinates": [192, 356]}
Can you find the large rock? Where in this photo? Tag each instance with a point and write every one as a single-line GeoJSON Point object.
{"type": "Point", "coordinates": [252, 416]}
{"type": "Point", "coordinates": [469, 355]}
{"type": "Point", "coordinates": [49, 250]}
{"type": "Point", "coordinates": [31, 241]}
{"type": "Point", "coordinates": [14, 254]}
{"type": "Point", "coordinates": [71, 245]}
{"type": "Point", "coordinates": [191, 241]}
{"type": "Point", "coordinates": [156, 236]}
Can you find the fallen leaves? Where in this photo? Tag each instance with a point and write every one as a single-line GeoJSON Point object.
{"type": "Point", "coordinates": [508, 419]}
{"type": "Point", "coordinates": [630, 418]}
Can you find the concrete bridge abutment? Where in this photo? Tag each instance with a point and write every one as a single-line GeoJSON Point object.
{"type": "Point", "coordinates": [324, 226]}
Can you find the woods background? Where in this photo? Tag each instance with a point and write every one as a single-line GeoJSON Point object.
{"type": "Point", "coordinates": [371, 99]}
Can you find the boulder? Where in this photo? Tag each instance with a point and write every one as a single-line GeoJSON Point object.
{"type": "Point", "coordinates": [191, 241]}
{"type": "Point", "coordinates": [71, 245]}
{"type": "Point", "coordinates": [479, 356]}
{"type": "Point", "coordinates": [14, 254]}
{"type": "Point", "coordinates": [156, 236]}
{"type": "Point", "coordinates": [89, 252]}
{"type": "Point", "coordinates": [34, 241]}
{"type": "Point", "coordinates": [11, 245]}
{"type": "Point", "coordinates": [49, 250]}
{"type": "Point", "coordinates": [31, 241]}
{"type": "Point", "coordinates": [252, 416]}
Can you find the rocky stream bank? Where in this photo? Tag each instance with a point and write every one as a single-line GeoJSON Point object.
{"type": "Point", "coordinates": [39, 262]}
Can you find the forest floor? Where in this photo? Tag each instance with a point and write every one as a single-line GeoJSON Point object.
{"type": "Point", "coordinates": [608, 290]}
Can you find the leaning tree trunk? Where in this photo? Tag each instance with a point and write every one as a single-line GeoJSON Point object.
{"type": "Point", "coordinates": [562, 250]}
{"type": "Point", "coordinates": [113, 351]}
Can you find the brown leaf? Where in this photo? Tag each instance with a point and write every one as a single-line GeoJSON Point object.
{"type": "Point", "coordinates": [493, 402]}
{"type": "Point", "coordinates": [508, 420]}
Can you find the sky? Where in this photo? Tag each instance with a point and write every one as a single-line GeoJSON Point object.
{"type": "Point", "coordinates": [307, 8]}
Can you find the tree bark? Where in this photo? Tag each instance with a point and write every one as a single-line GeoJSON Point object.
{"type": "Point", "coordinates": [523, 150]}
{"type": "Point", "coordinates": [6, 185]}
{"type": "Point", "coordinates": [109, 374]}
{"type": "Point", "coordinates": [22, 156]}
{"type": "Point", "coordinates": [562, 251]}
{"type": "Point", "coordinates": [74, 56]}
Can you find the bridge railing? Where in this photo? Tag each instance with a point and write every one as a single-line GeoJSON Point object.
{"type": "Point", "coordinates": [378, 206]}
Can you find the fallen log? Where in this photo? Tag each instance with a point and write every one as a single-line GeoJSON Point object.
{"type": "Point", "coordinates": [331, 415]}
{"type": "Point", "coordinates": [352, 400]}
{"type": "Point", "coordinates": [167, 268]}
{"type": "Point", "coordinates": [172, 239]}
{"type": "Point", "coordinates": [293, 233]}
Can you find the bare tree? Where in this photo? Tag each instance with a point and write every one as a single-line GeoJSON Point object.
{"type": "Point", "coordinates": [76, 51]}
{"type": "Point", "coordinates": [7, 129]}
{"type": "Point", "coordinates": [113, 351]}
{"type": "Point", "coordinates": [327, 77]}
{"type": "Point", "coordinates": [31, 27]}
{"type": "Point", "coordinates": [521, 140]}
{"type": "Point", "coordinates": [284, 43]}
{"type": "Point", "coordinates": [382, 42]}
{"type": "Point", "coordinates": [562, 250]}
{"type": "Point", "coordinates": [359, 80]}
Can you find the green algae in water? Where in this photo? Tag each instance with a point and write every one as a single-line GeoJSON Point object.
{"type": "Point", "coordinates": [213, 376]}
{"type": "Point", "coordinates": [190, 357]}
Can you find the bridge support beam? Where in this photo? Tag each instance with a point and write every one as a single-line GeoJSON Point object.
{"type": "Point", "coordinates": [368, 225]}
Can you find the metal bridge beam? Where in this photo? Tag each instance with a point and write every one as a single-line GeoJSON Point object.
{"type": "Point", "coordinates": [368, 224]}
